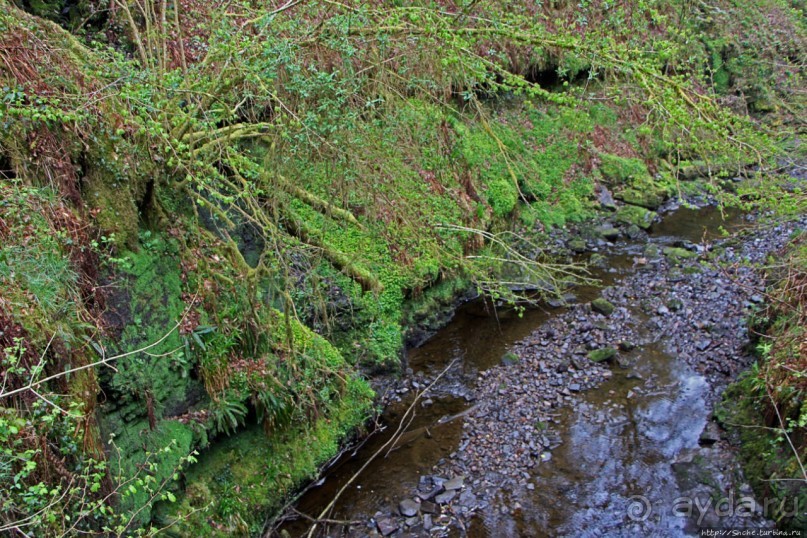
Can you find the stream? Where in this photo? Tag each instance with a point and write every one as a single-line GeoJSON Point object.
{"type": "Point", "coordinates": [545, 447]}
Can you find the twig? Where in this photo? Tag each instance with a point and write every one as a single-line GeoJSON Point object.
{"type": "Point", "coordinates": [384, 447]}
{"type": "Point", "coordinates": [330, 521]}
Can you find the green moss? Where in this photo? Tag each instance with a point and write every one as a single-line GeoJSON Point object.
{"type": "Point", "coordinates": [602, 354]}
{"type": "Point", "coordinates": [635, 215]}
{"type": "Point", "coordinates": [241, 479]}
{"type": "Point", "coordinates": [650, 198]}
{"type": "Point", "coordinates": [150, 458]}
{"type": "Point", "coordinates": [159, 375]}
{"type": "Point", "coordinates": [677, 255]}
{"type": "Point", "coordinates": [764, 452]}
{"type": "Point", "coordinates": [37, 279]}
{"type": "Point", "coordinates": [621, 170]}
{"type": "Point", "coordinates": [602, 306]}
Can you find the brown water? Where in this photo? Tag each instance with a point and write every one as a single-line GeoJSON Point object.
{"type": "Point", "coordinates": [619, 443]}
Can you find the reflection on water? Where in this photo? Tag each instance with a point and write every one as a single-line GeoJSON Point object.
{"type": "Point", "coordinates": [619, 442]}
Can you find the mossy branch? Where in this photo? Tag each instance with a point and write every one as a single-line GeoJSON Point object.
{"type": "Point", "coordinates": [300, 229]}
{"type": "Point", "coordinates": [315, 201]}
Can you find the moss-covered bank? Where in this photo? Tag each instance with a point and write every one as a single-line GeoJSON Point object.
{"type": "Point", "coordinates": [766, 409]}
{"type": "Point", "coordinates": [220, 234]}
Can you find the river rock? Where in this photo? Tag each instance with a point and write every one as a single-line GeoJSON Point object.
{"type": "Point", "coordinates": [408, 508]}
{"type": "Point", "coordinates": [639, 216]}
{"type": "Point", "coordinates": [454, 483]}
{"type": "Point", "coordinates": [710, 434]}
{"type": "Point", "coordinates": [602, 354]}
{"type": "Point", "coordinates": [677, 255]}
{"type": "Point", "coordinates": [649, 197]}
{"type": "Point", "coordinates": [445, 498]}
{"type": "Point", "coordinates": [633, 232]}
{"type": "Point", "coordinates": [577, 245]}
{"type": "Point", "coordinates": [429, 493]}
{"type": "Point", "coordinates": [387, 525]}
{"type": "Point", "coordinates": [609, 233]}
{"type": "Point", "coordinates": [652, 251]}
{"type": "Point", "coordinates": [602, 306]}
{"type": "Point", "coordinates": [606, 199]}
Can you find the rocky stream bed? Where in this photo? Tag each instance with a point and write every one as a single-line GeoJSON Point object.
{"type": "Point", "coordinates": [597, 421]}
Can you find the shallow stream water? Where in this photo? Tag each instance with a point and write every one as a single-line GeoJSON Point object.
{"type": "Point", "coordinates": [619, 440]}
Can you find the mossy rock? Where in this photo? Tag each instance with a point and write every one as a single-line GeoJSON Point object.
{"type": "Point", "coordinates": [677, 255]}
{"type": "Point", "coordinates": [114, 207]}
{"type": "Point", "coordinates": [603, 306]}
{"type": "Point", "coordinates": [577, 245]}
{"type": "Point", "coordinates": [621, 170]}
{"type": "Point", "coordinates": [609, 233]}
{"type": "Point", "coordinates": [652, 251]}
{"type": "Point", "coordinates": [635, 215]}
{"type": "Point", "coordinates": [633, 232]}
{"type": "Point", "coordinates": [602, 355]}
{"type": "Point", "coordinates": [649, 198]}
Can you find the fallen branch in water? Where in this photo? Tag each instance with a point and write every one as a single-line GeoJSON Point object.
{"type": "Point", "coordinates": [330, 521]}
{"type": "Point", "coordinates": [406, 419]}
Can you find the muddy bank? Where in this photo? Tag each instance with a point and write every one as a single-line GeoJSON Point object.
{"type": "Point", "coordinates": [538, 453]}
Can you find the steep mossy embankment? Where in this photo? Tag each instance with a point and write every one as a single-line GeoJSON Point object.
{"type": "Point", "coordinates": [220, 233]}
{"type": "Point", "coordinates": [766, 409]}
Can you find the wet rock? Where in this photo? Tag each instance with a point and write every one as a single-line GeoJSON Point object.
{"type": "Point", "coordinates": [650, 196]}
{"type": "Point", "coordinates": [675, 305]}
{"type": "Point", "coordinates": [652, 251]}
{"type": "Point", "coordinates": [580, 362]}
{"type": "Point", "coordinates": [408, 508]}
{"type": "Point", "coordinates": [467, 498]}
{"type": "Point", "coordinates": [603, 306]}
{"type": "Point", "coordinates": [577, 245]}
{"type": "Point", "coordinates": [387, 525]}
{"type": "Point", "coordinates": [609, 233]}
{"type": "Point", "coordinates": [445, 498]}
{"type": "Point", "coordinates": [635, 215]}
{"type": "Point", "coordinates": [454, 483]}
{"type": "Point", "coordinates": [710, 434]}
{"type": "Point", "coordinates": [428, 507]}
{"type": "Point", "coordinates": [429, 494]}
{"type": "Point", "coordinates": [633, 232]}
{"type": "Point", "coordinates": [677, 255]}
{"type": "Point", "coordinates": [602, 354]}
{"type": "Point", "coordinates": [606, 199]}
{"type": "Point", "coordinates": [598, 260]}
